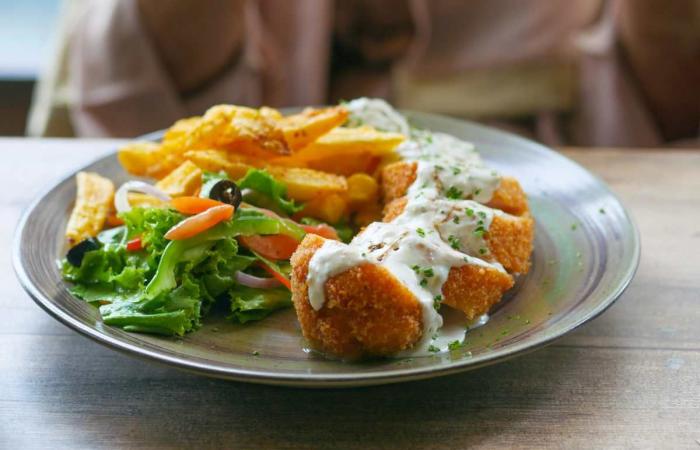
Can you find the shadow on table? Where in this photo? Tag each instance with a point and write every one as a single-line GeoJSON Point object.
{"type": "Point", "coordinates": [105, 399]}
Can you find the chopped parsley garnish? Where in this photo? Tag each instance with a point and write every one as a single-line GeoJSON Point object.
{"type": "Point", "coordinates": [456, 219]}
{"type": "Point", "coordinates": [601, 210]}
{"type": "Point", "coordinates": [470, 212]}
{"type": "Point", "coordinates": [483, 251]}
{"type": "Point", "coordinates": [428, 272]}
{"type": "Point", "coordinates": [573, 227]}
{"type": "Point", "coordinates": [433, 349]}
{"type": "Point", "coordinates": [454, 241]}
{"type": "Point", "coordinates": [453, 193]}
{"type": "Point", "coordinates": [456, 170]}
{"type": "Point", "coordinates": [420, 231]}
{"type": "Point", "coordinates": [479, 232]}
{"type": "Point", "coordinates": [477, 192]}
{"type": "Point", "coordinates": [423, 282]}
{"type": "Point", "coordinates": [437, 301]}
{"type": "Point", "coordinates": [454, 345]}
{"type": "Point", "coordinates": [482, 214]}
{"type": "Point", "coordinates": [416, 268]}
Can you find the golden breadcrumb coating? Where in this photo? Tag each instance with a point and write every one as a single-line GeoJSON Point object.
{"type": "Point", "coordinates": [398, 177]}
{"type": "Point", "coordinates": [475, 289]}
{"type": "Point", "coordinates": [509, 238]}
{"type": "Point", "coordinates": [509, 197]}
{"type": "Point", "coordinates": [368, 312]}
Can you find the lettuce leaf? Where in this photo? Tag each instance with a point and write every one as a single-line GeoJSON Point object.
{"type": "Point", "coordinates": [168, 286]}
{"type": "Point", "coordinates": [250, 304]}
{"type": "Point", "coordinates": [268, 192]}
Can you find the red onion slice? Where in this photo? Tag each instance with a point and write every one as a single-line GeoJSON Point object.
{"type": "Point", "coordinates": [121, 198]}
{"type": "Point", "coordinates": [256, 282]}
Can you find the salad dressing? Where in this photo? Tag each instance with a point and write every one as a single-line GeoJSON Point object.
{"type": "Point", "coordinates": [442, 225]}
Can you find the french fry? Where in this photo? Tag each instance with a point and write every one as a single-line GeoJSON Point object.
{"type": "Point", "coordinates": [362, 188]}
{"type": "Point", "coordinates": [306, 184]}
{"type": "Point", "coordinates": [344, 142]}
{"type": "Point", "coordinates": [302, 129]}
{"type": "Point", "coordinates": [329, 208]}
{"type": "Point", "coordinates": [136, 199]}
{"type": "Point", "coordinates": [147, 159]}
{"type": "Point", "coordinates": [186, 179]}
{"type": "Point", "coordinates": [93, 202]}
{"type": "Point", "coordinates": [218, 160]}
{"type": "Point", "coordinates": [346, 165]}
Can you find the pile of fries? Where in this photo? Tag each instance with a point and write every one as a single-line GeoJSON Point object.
{"type": "Point", "coordinates": [331, 169]}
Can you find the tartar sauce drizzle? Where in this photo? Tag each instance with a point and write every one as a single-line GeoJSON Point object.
{"type": "Point", "coordinates": [442, 225]}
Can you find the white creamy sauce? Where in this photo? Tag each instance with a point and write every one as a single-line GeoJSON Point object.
{"type": "Point", "coordinates": [442, 225]}
{"type": "Point", "coordinates": [377, 113]}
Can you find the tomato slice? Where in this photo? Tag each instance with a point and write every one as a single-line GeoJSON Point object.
{"type": "Point", "coordinates": [278, 276]}
{"type": "Point", "coordinates": [322, 230]}
{"type": "Point", "coordinates": [276, 246]}
{"type": "Point", "coordinates": [193, 205]}
{"type": "Point", "coordinates": [194, 225]}
{"type": "Point", "coordinates": [134, 245]}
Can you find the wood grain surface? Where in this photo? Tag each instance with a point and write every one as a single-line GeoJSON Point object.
{"type": "Point", "coordinates": [629, 379]}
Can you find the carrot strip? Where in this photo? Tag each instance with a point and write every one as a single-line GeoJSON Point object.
{"type": "Point", "coordinates": [278, 276]}
{"type": "Point", "coordinates": [193, 205]}
{"type": "Point", "coordinates": [194, 225]}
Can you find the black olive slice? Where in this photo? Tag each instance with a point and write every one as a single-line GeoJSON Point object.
{"type": "Point", "coordinates": [226, 191]}
{"type": "Point", "coordinates": [75, 255]}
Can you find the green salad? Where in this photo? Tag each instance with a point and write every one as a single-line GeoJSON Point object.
{"type": "Point", "coordinates": [163, 270]}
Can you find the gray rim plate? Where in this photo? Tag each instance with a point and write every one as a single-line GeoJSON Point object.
{"type": "Point", "coordinates": [586, 252]}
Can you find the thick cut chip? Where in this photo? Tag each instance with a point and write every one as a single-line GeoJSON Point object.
{"type": "Point", "coordinates": [93, 202]}
{"type": "Point", "coordinates": [185, 180]}
{"type": "Point", "coordinates": [147, 159]}
{"type": "Point", "coordinates": [363, 162]}
{"type": "Point", "coordinates": [304, 128]}
{"type": "Point", "coordinates": [346, 142]}
{"type": "Point", "coordinates": [237, 129]}
{"type": "Point", "coordinates": [306, 184]}
{"type": "Point", "coordinates": [137, 199]}
{"type": "Point", "coordinates": [218, 160]}
{"type": "Point", "coordinates": [328, 208]}
{"type": "Point", "coordinates": [362, 188]}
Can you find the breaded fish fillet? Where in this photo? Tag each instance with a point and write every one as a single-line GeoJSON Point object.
{"type": "Point", "coordinates": [369, 312]}
{"type": "Point", "coordinates": [398, 177]}
{"type": "Point", "coordinates": [509, 239]}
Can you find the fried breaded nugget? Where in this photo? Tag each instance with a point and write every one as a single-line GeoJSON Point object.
{"type": "Point", "coordinates": [367, 312]}
{"type": "Point", "coordinates": [510, 197]}
{"type": "Point", "coordinates": [397, 178]}
{"type": "Point", "coordinates": [509, 239]}
{"type": "Point", "coordinates": [475, 289]}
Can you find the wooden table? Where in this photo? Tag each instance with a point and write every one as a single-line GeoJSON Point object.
{"type": "Point", "coordinates": [630, 378]}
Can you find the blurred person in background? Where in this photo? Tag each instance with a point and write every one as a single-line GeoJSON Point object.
{"type": "Point", "coordinates": [587, 72]}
